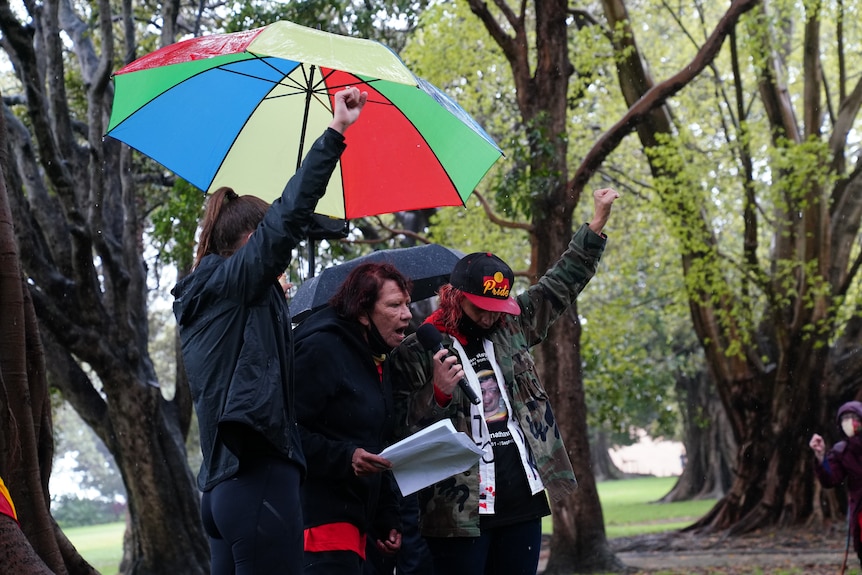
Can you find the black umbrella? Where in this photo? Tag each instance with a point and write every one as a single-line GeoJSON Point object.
{"type": "Point", "coordinates": [428, 266]}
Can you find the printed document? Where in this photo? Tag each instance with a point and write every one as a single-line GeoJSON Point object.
{"type": "Point", "coordinates": [430, 455]}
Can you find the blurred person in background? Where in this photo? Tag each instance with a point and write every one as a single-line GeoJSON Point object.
{"type": "Point", "coordinates": [842, 464]}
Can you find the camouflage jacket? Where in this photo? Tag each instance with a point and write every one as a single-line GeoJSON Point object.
{"type": "Point", "coordinates": [450, 508]}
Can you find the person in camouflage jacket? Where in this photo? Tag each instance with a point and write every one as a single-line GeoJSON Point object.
{"type": "Point", "coordinates": [488, 519]}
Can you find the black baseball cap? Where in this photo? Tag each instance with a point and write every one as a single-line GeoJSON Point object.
{"type": "Point", "coordinates": [486, 281]}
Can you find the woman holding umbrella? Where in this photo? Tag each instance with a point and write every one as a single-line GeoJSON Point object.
{"type": "Point", "coordinates": [344, 409]}
{"type": "Point", "coordinates": [234, 327]}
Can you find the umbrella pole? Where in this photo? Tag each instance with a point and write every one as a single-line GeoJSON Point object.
{"type": "Point", "coordinates": [310, 258]}
{"type": "Point", "coordinates": [309, 88]}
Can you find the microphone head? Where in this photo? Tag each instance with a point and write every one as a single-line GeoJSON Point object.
{"type": "Point", "coordinates": [429, 337]}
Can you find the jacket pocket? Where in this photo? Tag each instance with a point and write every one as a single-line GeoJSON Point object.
{"type": "Point", "coordinates": [526, 377]}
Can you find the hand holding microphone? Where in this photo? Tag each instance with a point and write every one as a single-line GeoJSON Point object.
{"type": "Point", "coordinates": [432, 341]}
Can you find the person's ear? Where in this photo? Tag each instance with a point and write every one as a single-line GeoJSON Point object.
{"type": "Point", "coordinates": [365, 320]}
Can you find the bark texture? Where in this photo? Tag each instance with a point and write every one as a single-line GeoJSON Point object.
{"type": "Point", "coordinates": [37, 545]}
{"type": "Point", "coordinates": [79, 217]}
{"type": "Point", "coordinates": [772, 367]}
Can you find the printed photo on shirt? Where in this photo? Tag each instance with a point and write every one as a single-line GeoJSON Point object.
{"type": "Point", "coordinates": [492, 400]}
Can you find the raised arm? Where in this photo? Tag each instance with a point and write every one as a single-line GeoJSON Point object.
{"type": "Point", "coordinates": [348, 104]}
{"type": "Point", "coordinates": [603, 199]}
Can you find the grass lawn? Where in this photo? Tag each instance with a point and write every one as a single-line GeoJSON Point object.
{"type": "Point", "coordinates": [627, 506]}
{"type": "Point", "coordinates": [629, 509]}
{"type": "Point", "coordinates": [100, 545]}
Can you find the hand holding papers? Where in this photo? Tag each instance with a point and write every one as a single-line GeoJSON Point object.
{"type": "Point", "coordinates": [429, 455]}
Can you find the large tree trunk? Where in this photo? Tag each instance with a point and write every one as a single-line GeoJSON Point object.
{"type": "Point", "coordinates": [768, 372]}
{"type": "Point", "coordinates": [772, 387]}
{"type": "Point", "coordinates": [769, 385]}
{"type": "Point", "coordinates": [579, 543]}
{"type": "Point", "coordinates": [707, 472]}
{"type": "Point", "coordinates": [78, 222]}
{"type": "Point", "coordinates": [774, 418]}
{"type": "Point", "coordinates": [26, 433]}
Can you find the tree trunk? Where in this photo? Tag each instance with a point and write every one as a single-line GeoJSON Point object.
{"type": "Point", "coordinates": [26, 431]}
{"type": "Point", "coordinates": [77, 221]}
{"type": "Point", "coordinates": [604, 468]}
{"type": "Point", "coordinates": [709, 443]}
{"type": "Point", "coordinates": [772, 386]}
{"type": "Point", "coordinates": [579, 543]}
{"type": "Point", "coordinates": [751, 429]}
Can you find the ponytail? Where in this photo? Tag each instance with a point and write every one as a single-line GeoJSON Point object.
{"type": "Point", "coordinates": [228, 219]}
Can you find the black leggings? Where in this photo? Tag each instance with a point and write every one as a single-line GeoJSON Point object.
{"type": "Point", "coordinates": [513, 549]}
{"type": "Point", "coordinates": [254, 520]}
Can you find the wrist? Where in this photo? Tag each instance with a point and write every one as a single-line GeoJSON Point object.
{"type": "Point", "coordinates": [597, 225]}
{"type": "Point", "coordinates": [442, 398]}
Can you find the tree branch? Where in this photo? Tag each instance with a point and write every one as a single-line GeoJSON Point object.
{"type": "Point", "coordinates": [656, 96]}
{"type": "Point", "coordinates": [499, 221]}
{"type": "Point", "coordinates": [847, 113]}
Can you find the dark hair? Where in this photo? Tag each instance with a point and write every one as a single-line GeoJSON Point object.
{"type": "Point", "coordinates": [361, 288]}
{"type": "Point", "coordinates": [228, 219]}
{"type": "Point", "coordinates": [449, 300]}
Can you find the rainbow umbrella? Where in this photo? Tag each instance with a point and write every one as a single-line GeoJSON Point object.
{"type": "Point", "coordinates": [241, 109]}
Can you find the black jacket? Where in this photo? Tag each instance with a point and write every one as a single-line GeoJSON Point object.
{"type": "Point", "coordinates": [342, 404]}
{"type": "Point", "coordinates": [235, 331]}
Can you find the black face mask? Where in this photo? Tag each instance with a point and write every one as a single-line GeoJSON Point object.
{"type": "Point", "coordinates": [375, 340]}
{"type": "Point", "coordinates": [472, 330]}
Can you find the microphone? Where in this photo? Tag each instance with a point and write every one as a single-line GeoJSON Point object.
{"type": "Point", "coordinates": [432, 341]}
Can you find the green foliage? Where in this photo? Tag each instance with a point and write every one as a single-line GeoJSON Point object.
{"type": "Point", "coordinates": [511, 188]}
{"type": "Point", "coordinates": [453, 51]}
{"type": "Point", "coordinates": [72, 511]}
{"type": "Point", "coordinates": [636, 336]}
{"type": "Point", "coordinates": [744, 292]}
{"type": "Point", "coordinates": [174, 224]}
{"type": "Point", "coordinates": [247, 15]}
{"type": "Point", "coordinates": [387, 22]}
{"type": "Point", "coordinates": [805, 174]}
{"type": "Point", "coordinates": [469, 230]}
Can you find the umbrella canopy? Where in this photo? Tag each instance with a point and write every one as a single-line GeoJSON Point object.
{"type": "Point", "coordinates": [241, 109]}
{"type": "Point", "coordinates": [428, 267]}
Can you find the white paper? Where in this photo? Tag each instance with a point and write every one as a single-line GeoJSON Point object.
{"type": "Point", "coordinates": [430, 455]}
